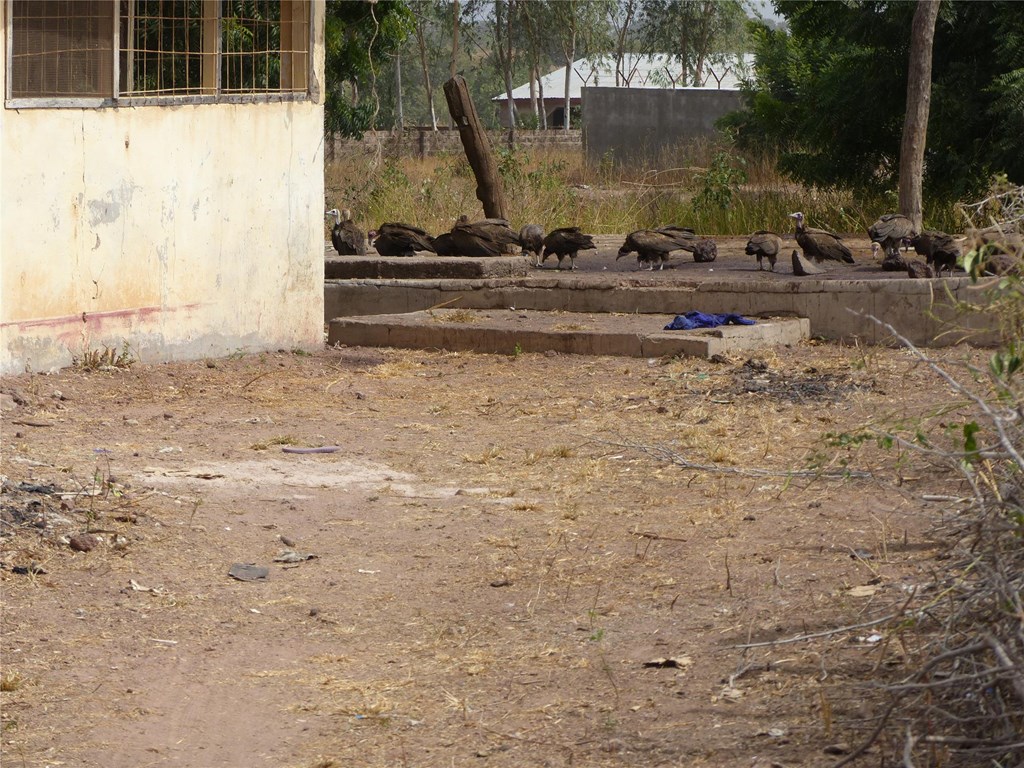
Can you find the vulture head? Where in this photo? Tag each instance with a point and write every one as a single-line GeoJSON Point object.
{"type": "Point", "coordinates": [372, 235]}
{"type": "Point", "coordinates": [336, 214]}
{"type": "Point", "coordinates": [875, 250]}
{"type": "Point", "coordinates": [799, 218]}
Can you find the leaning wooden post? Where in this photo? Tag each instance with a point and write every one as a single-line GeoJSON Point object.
{"type": "Point", "coordinates": [489, 190]}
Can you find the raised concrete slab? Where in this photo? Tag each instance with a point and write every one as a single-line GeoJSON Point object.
{"type": "Point", "coordinates": [925, 311]}
{"type": "Point", "coordinates": [506, 331]}
{"type": "Point", "coordinates": [375, 267]}
{"type": "Point", "coordinates": [837, 302]}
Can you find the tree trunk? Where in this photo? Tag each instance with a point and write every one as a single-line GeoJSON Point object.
{"type": "Point", "coordinates": [455, 38]}
{"type": "Point", "coordinates": [534, 76]}
{"type": "Point", "coordinates": [399, 117]}
{"type": "Point", "coordinates": [489, 190]}
{"type": "Point", "coordinates": [507, 64]}
{"type": "Point", "coordinates": [540, 102]}
{"type": "Point", "coordinates": [452, 65]}
{"type": "Point", "coordinates": [915, 125]}
{"type": "Point", "coordinates": [426, 74]}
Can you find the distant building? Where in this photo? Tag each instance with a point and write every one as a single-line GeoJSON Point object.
{"type": "Point", "coordinates": [635, 71]}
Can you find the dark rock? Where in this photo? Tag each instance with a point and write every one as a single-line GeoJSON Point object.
{"type": "Point", "coordinates": [894, 263]}
{"type": "Point", "coordinates": [839, 748]}
{"type": "Point", "coordinates": [83, 542]}
{"type": "Point", "coordinates": [802, 267]}
{"type": "Point", "coordinates": [918, 269]}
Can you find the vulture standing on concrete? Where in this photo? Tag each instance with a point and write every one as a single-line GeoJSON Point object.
{"type": "Point", "coordinates": [531, 240]}
{"type": "Point", "coordinates": [651, 246]}
{"type": "Point", "coordinates": [566, 241]}
{"type": "Point", "coordinates": [820, 244]}
{"type": "Point", "coordinates": [396, 239]}
{"type": "Point", "coordinates": [764, 245]}
{"type": "Point", "coordinates": [487, 237]}
{"type": "Point", "coordinates": [347, 238]}
{"type": "Point", "coordinates": [939, 249]}
{"type": "Point", "coordinates": [890, 231]}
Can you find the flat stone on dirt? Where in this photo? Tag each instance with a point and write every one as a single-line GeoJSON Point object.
{"type": "Point", "coordinates": [513, 331]}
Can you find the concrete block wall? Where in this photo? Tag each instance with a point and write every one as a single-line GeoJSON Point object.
{"type": "Point", "coordinates": [419, 142]}
{"type": "Point", "coordinates": [634, 125]}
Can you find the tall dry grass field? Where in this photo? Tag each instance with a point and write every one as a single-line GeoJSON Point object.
{"type": "Point", "coordinates": [704, 184]}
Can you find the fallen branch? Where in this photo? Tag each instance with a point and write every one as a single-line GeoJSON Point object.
{"type": "Point", "coordinates": [681, 461]}
{"type": "Point", "coordinates": [815, 635]}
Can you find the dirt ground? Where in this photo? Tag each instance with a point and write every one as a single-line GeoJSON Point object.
{"type": "Point", "coordinates": [504, 567]}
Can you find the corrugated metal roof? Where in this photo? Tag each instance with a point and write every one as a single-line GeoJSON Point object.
{"type": "Point", "coordinates": [639, 71]}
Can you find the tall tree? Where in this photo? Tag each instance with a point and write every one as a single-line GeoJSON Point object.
{"type": "Point", "coordinates": [582, 29]}
{"type": "Point", "coordinates": [504, 49]}
{"type": "Point", "coordinates": [814, 83]}
{"type": "Point", "coordinates": [691, 32]}
{"type": "Point", "coordinates": [622, 17]}
{"type": "Point", "coordinates": [915, 126]}
{"type": "Point", "coordinates": [422, 12]}
{"type": "Point", "coordinates": [455, 38]}
{"type": "Point", "coordinates": [536, 23]}
{"type": "Point", "coordinates": [358, 36]}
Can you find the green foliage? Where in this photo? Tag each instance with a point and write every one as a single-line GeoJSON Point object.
{"type": "Point", "coordinates": [358, 37]}
{"type": "Point", "coordinates": [830, 94]}
{"type": "Point", "coordinates": [971, 429]}
{"type": "Point", "coordinates": [718, 185]}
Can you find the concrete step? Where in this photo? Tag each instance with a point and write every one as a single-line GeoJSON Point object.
{"type": "Point", "coordinates": [375, 267]}
{"type": "Point", "coordinates": [512, 330]}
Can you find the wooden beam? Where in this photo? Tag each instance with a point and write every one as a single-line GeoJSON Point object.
{"type": "Point", "coordinates": [489, 189]}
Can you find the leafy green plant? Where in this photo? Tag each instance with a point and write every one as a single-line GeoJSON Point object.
{"type": "Point", "coordinates": [105, 358]}
{"type": "Point", "coordinates": [718, 185]}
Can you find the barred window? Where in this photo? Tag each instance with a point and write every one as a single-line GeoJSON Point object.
{"type": "Point", "coordinates": [61, 48]}
{"type": "Point", "coordinates": [62, 51]}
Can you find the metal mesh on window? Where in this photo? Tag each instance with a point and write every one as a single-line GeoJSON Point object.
{"type": "Point", "coordinates": [62, 48]}
{"type": "Point", "coordinates": [162, 50]}
{"type": "Point", "coordinates": [264, 46]}
{"type": "Point", "coordinates": [65, 48]}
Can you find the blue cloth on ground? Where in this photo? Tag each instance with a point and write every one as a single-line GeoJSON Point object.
{"type": "Point", "coordinates": [692, 320]}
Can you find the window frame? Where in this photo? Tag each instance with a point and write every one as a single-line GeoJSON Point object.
{"type": "Point", "coordinates": [124, 100]}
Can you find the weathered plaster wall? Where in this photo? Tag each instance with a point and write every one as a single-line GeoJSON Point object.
{"type": "Point", "coordinates": [185, 231]}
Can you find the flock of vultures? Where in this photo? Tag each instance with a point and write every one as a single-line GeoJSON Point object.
{"type": "Point", "coordinates": [891, 238]}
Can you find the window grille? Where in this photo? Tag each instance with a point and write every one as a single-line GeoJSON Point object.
{"type": "Point", "coordinates": [162, 50]}
{"type": "Point", "coordinates": [61, 48]}
{"type": "Point", "coordinates": [177, 50]}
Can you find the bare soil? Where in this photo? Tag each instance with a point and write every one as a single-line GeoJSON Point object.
{"type": "Point", "coordinates": [506, 568]}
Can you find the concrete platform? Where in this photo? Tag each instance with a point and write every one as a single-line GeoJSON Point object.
{"type": "Point", "coordinates": [420, 268]}
{"type": "Point", "coordinates": [837, 302]}
{"type": "Point", "coordinates": [510, 330]}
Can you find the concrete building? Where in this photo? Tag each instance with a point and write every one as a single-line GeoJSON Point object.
{"type": "Point", "coordinates": [634, 71]}
{"type": "Point", "coordinates": [161, 179]}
